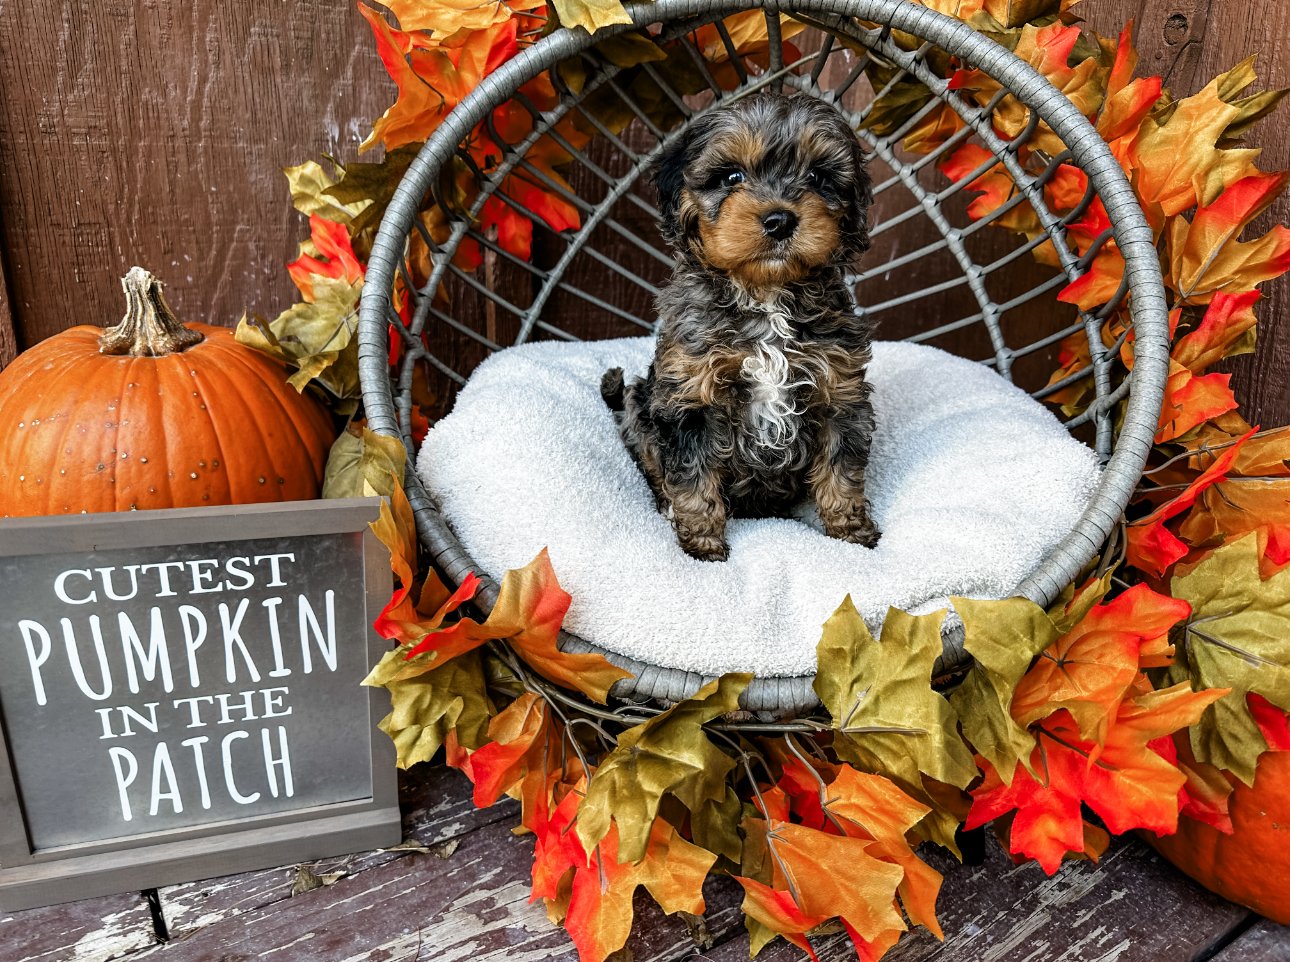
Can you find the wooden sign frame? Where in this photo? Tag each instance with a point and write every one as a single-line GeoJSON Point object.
{"type": "Point", "coordinates": [32, 877]}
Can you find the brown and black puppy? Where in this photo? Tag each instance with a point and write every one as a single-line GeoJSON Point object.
{"type": "Point", "coordinates": [757, 395]}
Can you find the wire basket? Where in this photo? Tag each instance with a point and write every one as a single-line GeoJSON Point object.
{"type": "Point", "coordinates": [991, 300]}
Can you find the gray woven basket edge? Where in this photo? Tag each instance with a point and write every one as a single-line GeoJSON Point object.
{"type": "Point", "coordinates": [1132, 235]}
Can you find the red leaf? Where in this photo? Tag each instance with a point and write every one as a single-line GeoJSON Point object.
{"type": "Point", "coordinates": [1151, 546]}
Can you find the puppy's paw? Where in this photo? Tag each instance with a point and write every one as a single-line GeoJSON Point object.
{"type": "Point", "coordinates": [710, 548]}
{"type": "Point", "coordinates": [612, 388]}
{"type": "Point", "coordinates": [857, 529]}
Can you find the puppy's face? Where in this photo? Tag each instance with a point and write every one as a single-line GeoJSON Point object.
{"type": "Point", "coordinates": [767, 190]}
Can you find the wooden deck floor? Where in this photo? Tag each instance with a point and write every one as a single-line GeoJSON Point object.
{"type": "Point", "coordinates": [458, 890]}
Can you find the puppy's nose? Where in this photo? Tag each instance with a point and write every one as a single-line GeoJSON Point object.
{"type": "Point", "coordinates": [779, 224]}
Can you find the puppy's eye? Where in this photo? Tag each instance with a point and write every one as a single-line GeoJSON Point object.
{"type": "Point", "coordinates": [818, 177]}
{"type": "Point", "coordinates": [730, 178]}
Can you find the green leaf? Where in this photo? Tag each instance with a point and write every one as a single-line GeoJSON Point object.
{"type": "Point", "coordinates": [427, 703]}
{"type": "Point", "coordinates": [1003, 638]}
{"type": "Point", "coordinates": [311, 187]}
{"type": "Point", "coordinates": [362, 463]}
{"type": "Point", "coordinates": [316, 338]}
{"type": "Point", "coordinates": [888, 718]}
{"type": "Point", "coordinates": [670, 753]}
{"type": "Point", "coordinates": [1238, 637]}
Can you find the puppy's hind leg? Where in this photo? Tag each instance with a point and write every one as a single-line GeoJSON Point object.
{"type": "Point", "coordinates": [837, 475]}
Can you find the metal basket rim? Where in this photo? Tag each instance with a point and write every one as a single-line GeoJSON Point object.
{"type": "Point", "coordinates": [1133, 236]}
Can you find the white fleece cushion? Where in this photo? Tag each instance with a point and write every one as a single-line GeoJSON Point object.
{"type": "Point", "coordinates": [971, 482]}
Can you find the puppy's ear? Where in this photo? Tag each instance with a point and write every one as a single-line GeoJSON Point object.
{"type": "Point", "coordinates": [855, 222]}
{"type": "Point", "coordinates": [668, 175]}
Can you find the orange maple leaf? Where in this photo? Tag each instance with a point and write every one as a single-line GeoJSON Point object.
{"type": "Point", "coordinates": [529, 611]}
{"type": "Point", "coordinates": [1176, 155]}
{"type": "Point", "coordinates": [1226, 329]}
{"type": "Point", "coordinates": [599, 917]}
{"type": "Point", "coordinates": [1191, 400]}
{"type": "Point", "coordinates": [1252, 494]}
{"type": "Point", "coordinates": [414, 609]}
{"type": "Point", "coordinates": [1206, 258]}
{"type": "Point", "coordinates": [1090, 670]}
{"type": "Point", "coordinates": [1122, 779]}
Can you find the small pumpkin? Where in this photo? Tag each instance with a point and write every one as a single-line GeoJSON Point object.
{"type": "Point", "coordinates": [1252, 865]}
{"type": "Point", "coordinates": [153, 414]}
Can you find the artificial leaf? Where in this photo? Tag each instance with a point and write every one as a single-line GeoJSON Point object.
{"type": "Point", "coordinates": [1151, 546]}
{"type": "Point", "coordinates": [431, 78]}
{"type": "Point", "coordinates": [429, 704]}
{"type": "Point", "coordinates": [528, 613]}
{"type": "Point", "coordinates": [1003, 638]}
{"type": "Point", "coordinates": [1191, 400]}
{"type": "Point", "coordinates": [879, 694]}
{"type": "Point", "coordinates": [1175, 153]}
{"type": "Point", "coordinates": [362, 462]}
{"type": "Point", "coordinates": [1226, 329]}
{"type": "Point", "coordinates": [591, 15]}
{"type": "Point", "coordinates": [316, 337]}
{"type": "Point", "coordinates": [1123, 780]}
{"type": "Point", "coordinates": [1205, 256]}
{"type": "Point", "coordinates": [870, 806]}
{"type": "Point", "coordinates": [830, 876]}
{"type": "Point", "coordinates": [1253, 495]}
{"type": "Point", "coordinates": [1091, 669]}
{"type": "Point", "coordinates": [334, 256]}
{"type": "Point", "coordinates": [672, 870]}
{"type": "Point", "coordinates": [1127, 784]}
{"type": "Point", "coordinates": [1236, 638]}
{"type": "Point", "coordinates": [311, 188]}
{"type": "Point", "coordinates": [447, 18]}
{"type": "Point", "coordinates": [669, 754]}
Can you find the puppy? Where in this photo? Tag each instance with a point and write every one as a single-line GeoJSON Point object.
{"type": "Point", "coordinates": [757, 394]}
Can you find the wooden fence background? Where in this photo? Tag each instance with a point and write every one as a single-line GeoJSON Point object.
{"type": "Point", "coordinates": [151, 132]}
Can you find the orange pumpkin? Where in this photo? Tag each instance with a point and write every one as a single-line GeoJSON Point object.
{"type": "Point", "coordinates": [1252, 865]}
{"type": "Point", "coordinates": [153, 414]}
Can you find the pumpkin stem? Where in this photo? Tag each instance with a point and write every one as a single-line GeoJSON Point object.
{"type": "Point", "coordinates": [149, 328]}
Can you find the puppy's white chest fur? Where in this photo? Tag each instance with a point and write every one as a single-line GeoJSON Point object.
{"type": "Point", "coordinates": [773, 415]}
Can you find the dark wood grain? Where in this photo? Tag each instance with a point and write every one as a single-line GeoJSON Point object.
{"type": "Point", "coordinates": [1132, 907]}
{"type": "Point", "coordinates": [1263, 942]}
{"type": "Point", "coordinates": [150, 132]}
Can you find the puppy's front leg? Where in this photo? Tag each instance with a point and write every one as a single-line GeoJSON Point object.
{"type": "Point", "coordinates": [692, 486]}
{"type": "Point", "coordinates": [837, 474]}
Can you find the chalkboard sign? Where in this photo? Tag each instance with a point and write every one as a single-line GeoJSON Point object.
{"type": "Point", "coordinates": [180, 697]}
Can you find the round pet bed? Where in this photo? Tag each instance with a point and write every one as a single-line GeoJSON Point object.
{"type": "Point", "coordinates": [971, 480]}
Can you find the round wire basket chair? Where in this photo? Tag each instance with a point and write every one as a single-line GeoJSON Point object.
{"type": "Point", "coordinates": [990, 300]}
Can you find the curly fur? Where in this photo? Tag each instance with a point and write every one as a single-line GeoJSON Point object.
{"type": "Point", "coordinates": [757, 395]}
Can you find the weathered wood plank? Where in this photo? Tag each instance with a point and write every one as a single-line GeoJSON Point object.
{"type": "Point", "coordinates": [1131, 908]}
{"type": "Point", "coordinates": [148, 132]}
{"type": "Point", "coordinates": [92, 930]}
{"type": "Point", "coordinates": [472, 905]}
{"type": "Point", "coordinates": [1263, 942]}
{"type": "Point", "coordinates": [8, 331]}
{"type": "Point", "coordinates": [437, 807]}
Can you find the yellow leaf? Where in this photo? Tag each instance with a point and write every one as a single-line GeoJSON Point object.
{"type": "Point", "coordinates": [591, 15]}
{"type": "Point", "coordinates": [1003, 638]}
{"type": "Point", "coordinates": [669, 754]}
{"type": "Point", "coordinates": [1238, 637]}
{"type": "Point", "coordinates": [426, 706]}
{"type": "Point", "coordinates": [888, 717]}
